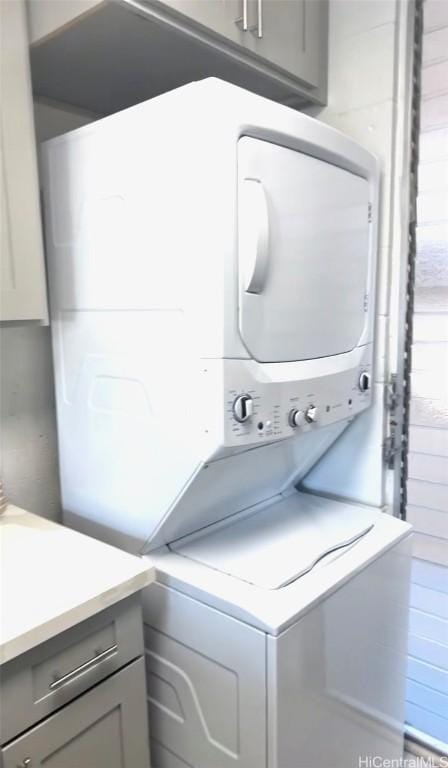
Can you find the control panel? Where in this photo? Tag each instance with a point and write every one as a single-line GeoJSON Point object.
{"type": "Point", "coordinates": [258, 411]}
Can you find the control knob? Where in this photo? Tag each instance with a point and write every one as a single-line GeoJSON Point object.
{"type": "Point", "coordinates": [311, 414]}
{"type": "Point", "coordinates": [296, 418]}
{"type": "Point", "coordinates": [243, 408]}
{"type": "Point", "coordinates": [364, 381]}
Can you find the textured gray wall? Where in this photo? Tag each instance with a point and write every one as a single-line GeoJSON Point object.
{"type": "Point", "coordinates": [27, 409]}
{"type": "Point", "coordinates": [28, 419]}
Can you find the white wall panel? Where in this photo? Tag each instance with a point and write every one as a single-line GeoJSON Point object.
{"type": "Point", "coordinates": [430, 548]}
{"type": "Point", "coordinates": [355, 17]}
{"type": "Point", "coordinates": [430, 600]}
{"type": "Point", "coordinates": [436, 14]}
{"type": "Point", "coordinates": [434, 175]}
{"type": "Point", "coordinates": [428, 698]}
{"type": "Point", "coordinates": [433, 145]}
{"type": "Point", "coordinates": [431, 327]}
{"type": "Point", "coordinates": [430, 576]}
{"type": "Point", "coordinates": [433, 469]}
{"type": "Point", "coordinates": [433, 677]}
{"type": "Point", "coordinates": [426, 625]}
{"type": "Point", "coordinates": [430, 521]}
{"type": "Point", "coordinates": [430, 495]}
{"type": "Point", "coordinates": [429, 651]}
{"type": "Point", "coordinates": [430, 383]}
{"type": "Point", "coordinates": [434, 79]}
{"type": "Point", "coordinates": [372, 56]}
{"type": "Point", "coordinates": [427, 440]}
{"type": "Point", "coordinates": [425, 412]}
{"type": "Point", "coordinates": [434, 112]}
{"type": "Point", "coordinates": [435, 46]}
{"type": "Point", "coordinates": [426, 356]}
{"type": "Point", "coordinates": [431, 206]}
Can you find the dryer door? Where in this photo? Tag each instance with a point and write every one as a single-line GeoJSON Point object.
{"type": "Point", "coordinates": [303, 230]}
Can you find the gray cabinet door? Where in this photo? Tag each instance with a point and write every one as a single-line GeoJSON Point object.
{"type": "Point", "coordinates": [105, 728]}
{"type": "Point", "coordinates": [294, 37]}
{"type": "Point", "coordinates": [291, 34]}
{"type": "Point", "coordinates": [221, 16]}
{"type": "Point", "coordinates": [41, 681]}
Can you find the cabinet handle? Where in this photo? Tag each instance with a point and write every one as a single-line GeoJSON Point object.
{"type": "Point", "coordinates": [242, 20]}
{"type": "Point", "coordinates": [25, 763]}
{"type": "Point", "coordinates": [260, 18]}
{"type": "Point", "coordinates": [83, 668]}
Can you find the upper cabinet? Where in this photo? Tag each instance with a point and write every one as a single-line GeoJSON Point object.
{"type": "Point", "coordinates": [23, 290]}
{"type": "Point", "coordinates": [222, 16]}
{"type": "Point", "coordinates": [290, 34]}
{"type": "Point", "coordinates": [293, 36]}
{"type": "Point", "coordinates": [105, 55]}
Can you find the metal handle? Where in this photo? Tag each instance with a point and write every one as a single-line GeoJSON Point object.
{"type": "Point", "coordinates": [242, 20]}
{"type": "Point", "coordinates": [260, 18]}
{"type": "Point", "coordinates": [25, 763]}
{"type": "Point", "coordinates": [83, 668]}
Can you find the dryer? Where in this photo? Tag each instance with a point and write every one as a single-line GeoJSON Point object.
{"type": "Point", "coordinates": [212, 261]}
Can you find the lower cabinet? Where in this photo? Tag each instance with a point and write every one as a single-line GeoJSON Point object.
{"type": "Point", "coordinates": [104, 728]}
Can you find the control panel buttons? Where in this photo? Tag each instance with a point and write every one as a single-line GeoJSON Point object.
{"type": "Point", "coordinates": [311, 414]}
{"type": "Point", "coordinates": [296, 418]}
{"type": "Point", "coordinates": [364, 381]}
{"type": "Point", "coordinates": [243, 408]}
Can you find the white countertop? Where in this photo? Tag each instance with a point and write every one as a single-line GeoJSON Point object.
{"type": "Point", "coordinates": [52, 578]}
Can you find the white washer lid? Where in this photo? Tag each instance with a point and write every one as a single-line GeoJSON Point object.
{"type": "Point", "coordinates": [278, 544]}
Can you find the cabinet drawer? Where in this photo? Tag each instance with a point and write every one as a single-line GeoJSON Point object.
{"type": "Point", "coordinates": [107, 727]}
{"type": "Point", "coordinates": [47, 677]}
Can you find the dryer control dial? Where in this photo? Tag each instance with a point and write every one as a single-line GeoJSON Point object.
{"type": "Point", "coordinates": [311, 414]}
{"type": "Point", "coordinates": [296, 418]}
{"type": "Point", "coordinates": [243, 408]}
{"type": "Point", "coordinates": [364, 381]}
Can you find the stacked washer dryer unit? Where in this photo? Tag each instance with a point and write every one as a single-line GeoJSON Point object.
{"type": "Point", "coordinates": [212, 271]}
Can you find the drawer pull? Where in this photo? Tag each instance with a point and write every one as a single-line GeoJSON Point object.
{"type": "Point", "coordinates": [25, 763]}
{"type": "Point", "coordinates": [83, 668]}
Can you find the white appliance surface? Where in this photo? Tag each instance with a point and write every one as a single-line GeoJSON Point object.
{"type": "Point", "coordinates": [273, 610]}
{"type": "Point", "coordinates": [310, 674]}
{"type": "Point", "coordinates": [212, 292]}
{"type": "Point", "coordinates": [303, 239]}
{"type": "Point", "coordinates": [241, 481]}
{"type": "Point", "coordinates": [272, 547]}
{"type": "Point", "coordinates": [212, 295]}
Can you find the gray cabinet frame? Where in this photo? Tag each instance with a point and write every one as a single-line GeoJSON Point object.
{"type": "Point", "coordinates": [107, 727]}
{"type": "Point", "coordinates": [53, 673]}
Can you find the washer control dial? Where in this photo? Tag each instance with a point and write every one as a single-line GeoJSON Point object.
{"type": "Point", "coordinates": [296, 418]}
{"type": "Point", "coordinates": [311, 414]}
{"type": "Point", "coordinates": [243, 408]}
{"type": "Point", "coordinates": [364, 381]}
